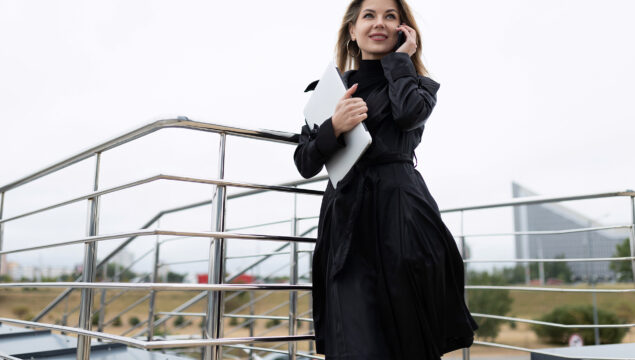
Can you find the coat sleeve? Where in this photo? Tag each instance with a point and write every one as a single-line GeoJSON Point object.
{"type": "Point", "coordinates": [315, 147]}
{"type": "Point", "coordinates": [412, 96]}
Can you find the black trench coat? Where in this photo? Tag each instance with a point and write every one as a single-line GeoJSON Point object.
{"type": "Point", "coordinates": [387, 275]}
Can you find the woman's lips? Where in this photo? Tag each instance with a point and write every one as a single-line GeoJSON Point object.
{"type": "Point", "coordinates": [378, 37]}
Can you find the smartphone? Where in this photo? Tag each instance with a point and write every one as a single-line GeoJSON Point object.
{"type": "Point", "coordinates": [401, 38]}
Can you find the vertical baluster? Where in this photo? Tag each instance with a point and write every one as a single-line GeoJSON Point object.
{"type": "Point", "coordinates": [466, 351]}
{"type": "Point", "coordinates": [216, 271]}
{"type": "Point", "coordinates": [155, 273]}
{"type": "Point", "coordinates": [88, 271]}
{"type": "Point", "coordinates": [1, 227]}
{"type": "Point", "coordinates": [293, 279]}
{"type": "Point", "coordinates": [631, 235]}
{"type": "Point", "coordinates": [102, 300]}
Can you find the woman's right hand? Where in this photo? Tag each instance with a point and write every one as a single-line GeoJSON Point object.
{"type": "Point", "coordinates": [349, 112]}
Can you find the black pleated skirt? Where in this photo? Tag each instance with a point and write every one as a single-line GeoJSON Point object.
{"type": "Point", "coordinates": [400, 293]}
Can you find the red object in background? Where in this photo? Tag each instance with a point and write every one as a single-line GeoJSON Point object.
{"type": "Point", "coordinates": [201, 278]}
{"type": "Point", "coordinates": [241, 279]}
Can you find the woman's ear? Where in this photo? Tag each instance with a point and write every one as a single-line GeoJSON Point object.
{"type": "Point", "coordinates": [351, 31]}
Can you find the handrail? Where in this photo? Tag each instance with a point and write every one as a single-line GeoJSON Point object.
{"type": "Point", "coordinates": [529, 200]}
{"type": "Point", "coordinates": [158, 216]}
{"type": "Point", "coordinates": [160, 286]}
{"type": "Point", "coordinates": [194, 234]}
{"type": "Point", "coordinates": [180, 122]}
{"type": "Point", "coordinates": [547, 323]}
{"type": "Point", "coordinates": [166, 177]}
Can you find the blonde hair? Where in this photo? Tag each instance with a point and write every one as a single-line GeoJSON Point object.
{"type": "Point", "coordinates": [347, 62]}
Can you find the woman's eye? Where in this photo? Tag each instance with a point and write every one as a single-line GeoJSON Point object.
{"type": "Point", "coordinates": [390, 16]}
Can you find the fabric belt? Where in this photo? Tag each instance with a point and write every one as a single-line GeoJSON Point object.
{"type": "Point", "coordinates": [387, 158]}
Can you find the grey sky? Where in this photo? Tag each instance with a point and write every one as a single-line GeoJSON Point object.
{"type": "Point", "coordinates": [538, 91]}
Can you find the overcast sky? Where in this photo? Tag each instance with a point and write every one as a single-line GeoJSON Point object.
{"type": "Point", "coordinates": [539, 92]}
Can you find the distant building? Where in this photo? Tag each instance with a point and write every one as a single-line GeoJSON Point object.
{"type": "Point", "coordinates": [552, 216]}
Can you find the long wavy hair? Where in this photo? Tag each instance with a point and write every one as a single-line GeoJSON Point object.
{"type": "Point", "coordinates": [348, 62]}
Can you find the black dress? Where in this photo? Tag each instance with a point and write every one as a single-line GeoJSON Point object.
{"type": "Point", "coordinates": [387, 275]}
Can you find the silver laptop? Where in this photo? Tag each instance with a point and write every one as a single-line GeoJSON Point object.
{"type": "Point", "coordinates": [329, 90]}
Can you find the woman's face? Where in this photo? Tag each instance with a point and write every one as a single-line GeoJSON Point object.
{"type": "Point", "coordinates": [376, 28]}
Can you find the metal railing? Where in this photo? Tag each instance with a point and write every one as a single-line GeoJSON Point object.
{"type": "Point", "coordinates": [214, 291]}
{"type": "Point", "coordinates": [540, 200]}
{"type": "Point", "coordinates": [212, 339]}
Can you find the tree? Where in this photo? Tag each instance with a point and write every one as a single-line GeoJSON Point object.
{"type": "Point", "coordinates": [553, 270]}
{"type": "Point", "coordinates": [493, 302]}
{"type": "Point", "coordinates": [124, 276]}
{"type": "Point", "coordinates": [175, 277]}
{"type": "Point", "coordinates": [623, 269]}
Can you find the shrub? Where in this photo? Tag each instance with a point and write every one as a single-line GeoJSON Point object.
{"type": "Point", "coordinates": [494, 302]}
{"type": "Point", "coordinates": [568, 314]}
{"type": "Point", "coordinates": [22, 312]}
{"type": "Point", "coordinates": [116, 322]}
{"type": "Point", "coordinates": [179, 320]}
{"type": "Point", "coordinates": [95, 319]}
{"type": "Point", "coordinates": [272, 323]}
{"type": "Point", "coordinates": [233, 321]}
{"type": "Point", "coordinates": [133, 321]}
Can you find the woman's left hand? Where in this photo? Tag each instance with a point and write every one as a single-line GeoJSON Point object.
{"type": "Point", "coordinates": [410, 45]}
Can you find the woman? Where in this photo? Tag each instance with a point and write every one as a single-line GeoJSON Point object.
{"type": "Point", "coordinates": [387, 275]}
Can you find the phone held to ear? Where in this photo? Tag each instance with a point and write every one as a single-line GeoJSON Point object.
{"type": "Point", "coordinates": [401, 38]}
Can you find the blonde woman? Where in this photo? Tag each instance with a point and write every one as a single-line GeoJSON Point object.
{"type": "Point", "coordinates": [387, 275]}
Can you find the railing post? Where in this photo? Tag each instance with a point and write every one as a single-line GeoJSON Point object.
{"type": "Point", "coordinates": [466, 351]}
{"type": "Point", "coordinates": [631, 236]}
{"type": "Point", "coordinates": [216, 271]}
{"type": "Point", "coordinates": [88, 271]}
{"type": "Point", "coordinates": [155, 273]}
{"type": "Point", "coordinates": [252, 312]}
{"type": "Point", "coordinates": [293, 279]}
{"type": "Point", "coordinates": [102, 300]}
{"type": "Point", "coordinates": [1, 227]}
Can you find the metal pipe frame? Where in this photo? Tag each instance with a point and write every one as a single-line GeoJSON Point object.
{"type": "Point", "coordinates": [465, 352]}
{"type": "Point", "coordinates": [216, 267]}
{"type": "Point", "coordinates": [537, 322]}
{"type": "Point", "coordinates": [162, 286]}
{"type": "Point", "coordinates": [1, 224]}
{"type": "Point", "coordinates": [529, 288]}
{"type": "Point", "coordinates": [181, 313]}
{"type": "Point", "coordinates": [202, 234]}
{"type": "Point", "coordinates": [154, 219]}
{"type": "Point", "coordinates": [293, 279]}
{"type": "Point", "coordinates": [153, 293]}
{"type": "Point", "coordinates": [631, 235]}
{"type": "Point", "coordinates": [180, 122]}
{"type": "Point", "coordinates": [552, 260]}
{"type": "Point", "coordinates": [550, 232]}
{"type": "Point", "coordinates": [89, 269]}
{"type": "Point", "coordinates": [273, 309]}
{"type": "Point", "coordinates": [529, 200]}
{"type": "Point", "coordinates": [150, 179]}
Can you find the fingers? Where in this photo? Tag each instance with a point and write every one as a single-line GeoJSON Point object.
{"type": "Point", "coordinates": [350, 91]}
